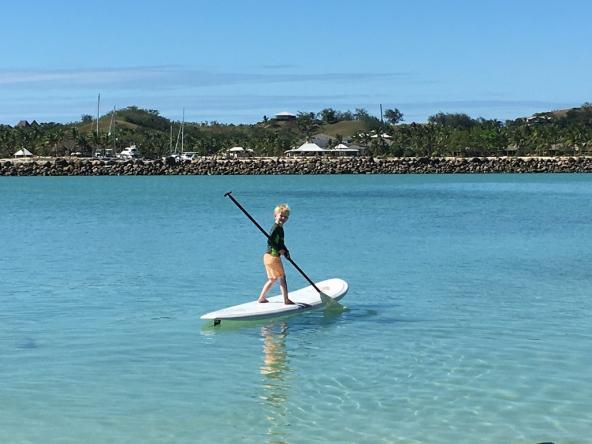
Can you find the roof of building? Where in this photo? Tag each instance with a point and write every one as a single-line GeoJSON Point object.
{"type": "Point", "coordinates": [23, 152]}
{"type": "Point", "coordinates": [309, 146]}
{"type": "Point", "coordinates": [239, 150]}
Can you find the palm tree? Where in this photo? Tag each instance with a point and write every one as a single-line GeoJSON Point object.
{"type": "Point", "coordinates": [74, 133]}
{"type": "Point", "coordinates": [82, 143]}
{"type": "Point", "coordinates": [51, 141]}
{"type": "Point", "coordinates": [96, 140]}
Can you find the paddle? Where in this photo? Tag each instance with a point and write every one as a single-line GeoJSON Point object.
{"type": "Point", "coordinates": [325, 299]}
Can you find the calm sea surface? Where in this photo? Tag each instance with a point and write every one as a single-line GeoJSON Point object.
{"type": "Point", "coordinates": [469, 321]}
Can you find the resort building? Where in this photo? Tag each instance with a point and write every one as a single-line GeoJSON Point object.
{"type": "Point", "coordinates": [361, 150]}
{"type": "Point", "coordinates": [307, 149]}
{"type": "Point", "coordinates": [538, 118]}
{"type": "Point", "coordinates": [382, 136]}
{"type": "Point", "coordinates": [238, 151]}
{"type": "Point", "coordinates": [23, 153]}
{"type": "Point", "coordinates": [344, 150]}
{"type": "Point", "coordinates": [312, 149]}
{"type": "Point", "coordinates": [285, 115]}
{"type": "Point", "coordinates": [511, 150]}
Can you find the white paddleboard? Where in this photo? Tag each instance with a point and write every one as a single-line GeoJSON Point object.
{"type": "Point", "coordinates": [306, 298]}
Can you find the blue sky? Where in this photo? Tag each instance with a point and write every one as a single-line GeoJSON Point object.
{"type": "Point", "coordinates": [235, 61]}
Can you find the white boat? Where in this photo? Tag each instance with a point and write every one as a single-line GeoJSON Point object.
{"type": "Point", "coordinates": [131, 152]}
{"type": "Point", "coordinates": [104, 154]}
{"type": "Point", "coordinates": [175, 156]}
{"type": "Point", "coordinates": [189, 155]}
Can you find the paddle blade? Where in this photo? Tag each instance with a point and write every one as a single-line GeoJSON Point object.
{"type": "Point", "coordinates": [330, 303]}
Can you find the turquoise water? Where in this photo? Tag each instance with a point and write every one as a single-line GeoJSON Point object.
{"type": "Point", "coordinates": [469, 310]}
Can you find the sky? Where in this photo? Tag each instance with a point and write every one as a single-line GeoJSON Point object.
{"type": "Point", "coordinates": [236, 61]}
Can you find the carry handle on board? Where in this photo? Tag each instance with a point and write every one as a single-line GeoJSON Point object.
{"type": "Point", "coordinates": [324, 298]}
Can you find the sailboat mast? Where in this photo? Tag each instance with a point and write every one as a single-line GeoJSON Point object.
{"type": "Point", "coordinates": [182, 130]}
{"type": "Point", "coordinates": [110, 128]}
{"type": "Point", "coordinates": [98, 110]}
{"type": "Point", "coordinates": [111, 122]}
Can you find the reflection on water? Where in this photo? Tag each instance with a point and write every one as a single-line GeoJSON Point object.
{"type": "Point", "coordinates": [275, 372]}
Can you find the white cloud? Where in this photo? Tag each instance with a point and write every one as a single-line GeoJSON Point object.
{"type": "Point", "coordinates": [242, 97]}
{"type": "Point", "coordinates": [171, 77]}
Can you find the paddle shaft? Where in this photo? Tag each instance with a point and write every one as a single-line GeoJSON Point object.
{"type": "Point", "coordinates": [267, 236]}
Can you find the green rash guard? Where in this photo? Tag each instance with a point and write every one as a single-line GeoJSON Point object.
{"type": "Point", "coordinates": [275, 243]}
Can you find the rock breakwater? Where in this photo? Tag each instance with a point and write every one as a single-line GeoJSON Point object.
{"type": "Point", "coordinates": [277, 166]}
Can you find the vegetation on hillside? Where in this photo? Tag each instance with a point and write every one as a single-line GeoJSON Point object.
{"type": "Point", "coordinates": [444, 134]}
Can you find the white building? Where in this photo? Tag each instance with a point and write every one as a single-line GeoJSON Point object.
{"type": "Point", "coordinates": [285, 115]}
{"type": "Point", "coordinates": [23, 153]}
{"type": "Point", "coordinates": [239, 151]}
{"type": "Point", "coordinates": [307, 149]}
{"type": "Point", "coordinates": [344, 150]}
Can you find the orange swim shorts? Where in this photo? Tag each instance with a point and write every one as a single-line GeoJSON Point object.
{"type": "Point", "coordinates": [273, 266]}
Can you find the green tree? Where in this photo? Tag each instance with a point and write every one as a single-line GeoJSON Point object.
{"type": "Point", "coordinates": [455, 120]}
{"type": "Point", "coordinates": [328, 115]}
{"type": "Point", "coordinates": [361, 114]}
{"type": "Point", "coordinates": [306, 124]}
{"type": "Point", "coordinates": [393, 116]}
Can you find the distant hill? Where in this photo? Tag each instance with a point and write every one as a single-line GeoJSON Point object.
{"type": "Point", "coordinates": [584, 110]}
{"type": "Point", "coordinates": [346, 128]}
{"type": "Point", "coordinates": [131, 118]}
{"type": "Point", "coordinates": [567, 131]}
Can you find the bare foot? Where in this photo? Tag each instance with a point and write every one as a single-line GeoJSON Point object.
{"type": "Point", "coordinates": [262, 301]}
{"type": "Point", "coordinates": [288, 302]}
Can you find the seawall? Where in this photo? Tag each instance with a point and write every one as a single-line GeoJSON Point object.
{"type": "Point", "coordinates": [276, 166]}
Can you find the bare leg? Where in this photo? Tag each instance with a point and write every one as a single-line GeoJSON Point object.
{"type": "Point", "coordinates": [265, 289]}
{"type": "Point", "coordinates": [284, 289]}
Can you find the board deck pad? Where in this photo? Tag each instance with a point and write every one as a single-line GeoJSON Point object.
{"type": "Point", "coordinates": [306, 298]}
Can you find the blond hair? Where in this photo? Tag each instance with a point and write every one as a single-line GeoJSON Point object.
{"type": "Point", "coordinates": [282, 209]}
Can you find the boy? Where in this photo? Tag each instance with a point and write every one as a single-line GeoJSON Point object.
{"type": "Point", "coordinates": [272, 257]}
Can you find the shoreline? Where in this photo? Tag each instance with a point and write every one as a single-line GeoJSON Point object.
{"type": "Point", "coordinates": [294, 166]}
